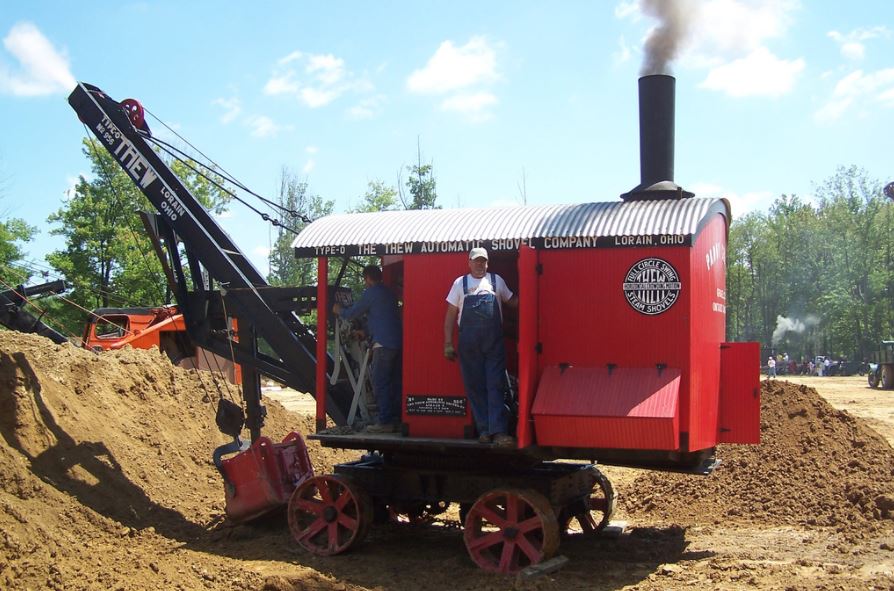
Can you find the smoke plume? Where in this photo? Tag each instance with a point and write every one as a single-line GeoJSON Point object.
{"type": "Point", "coordinates": [666, 38]}
{"type": "Point", "coordinates": [784, 325]}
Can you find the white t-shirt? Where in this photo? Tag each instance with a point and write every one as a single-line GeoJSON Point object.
{"type": "Point", "coordinates": [483, 285]}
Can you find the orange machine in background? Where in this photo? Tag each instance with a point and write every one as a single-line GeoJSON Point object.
{"type": "Point", "coordinates": [162, 327]}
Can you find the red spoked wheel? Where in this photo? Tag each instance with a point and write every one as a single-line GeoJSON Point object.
{"type": "Point", "coordinates": [507, 530]}
{"type": "Point", "coordinates": [134, 111]}
{"type": "Point", "coordinates": [329, 514]}
{"type": "Point", "coordinates": [591, 514]}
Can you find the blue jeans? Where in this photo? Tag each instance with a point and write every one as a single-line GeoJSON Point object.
{"type": "Point", "coordinates": [482, 359]}
{"type": "Point", "coordinates": [385, 373]}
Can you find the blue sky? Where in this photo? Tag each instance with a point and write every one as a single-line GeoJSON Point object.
{"type": "Point", "coordinates": [772, 96]}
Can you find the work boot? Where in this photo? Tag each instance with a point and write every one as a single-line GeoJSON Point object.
{"type": "Point", "coordinates": [484, 439]}
{"type": "Point", "coordinates": [379, 429]}
{"type": "Point", "coordinates": [503, 440]}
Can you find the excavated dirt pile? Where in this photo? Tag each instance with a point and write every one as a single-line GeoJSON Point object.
{"type": "Point", "coordinates": [106, 482]}
{"type": "Point", "coordinates": [105, 468]}
{"type": "Point", "coordinates": [815, 466]}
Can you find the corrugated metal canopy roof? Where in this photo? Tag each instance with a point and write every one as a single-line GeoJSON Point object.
{"type": "Point", "coordinates": [619, 218]}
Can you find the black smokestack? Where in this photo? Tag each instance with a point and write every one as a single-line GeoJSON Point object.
{"type": "Point", "coordinates": [656, 128]}
{"type": "Point", "coordinates": [656, 140]}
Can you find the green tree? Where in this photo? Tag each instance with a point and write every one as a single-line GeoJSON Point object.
{"type": "Point", "coordinates": [297, 207]}
{"type": "Point", "coordinates": [107, 258]}
{"type": "Point", "coordinates": [378, 197]}
{"type": "Point", "coordinates": [421, 185]}
{"type": "Point", "coordinates": [826, 268]}
{"type": "Point", "coordinates": [850, 206]}
{"type": "Point", "coordinates": [14, 232]}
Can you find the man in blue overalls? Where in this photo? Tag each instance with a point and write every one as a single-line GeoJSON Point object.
{"type": "Point", "coordinates": [475, 304]}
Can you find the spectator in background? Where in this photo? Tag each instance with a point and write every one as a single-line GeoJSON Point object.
{"type": "Point", "coordinates": [771, 367]}
{"type": "Point", "coordinates": [827, 366]}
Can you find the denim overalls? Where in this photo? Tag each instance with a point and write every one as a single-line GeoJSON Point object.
{"type": "Point", "coordinates": [482, 358]}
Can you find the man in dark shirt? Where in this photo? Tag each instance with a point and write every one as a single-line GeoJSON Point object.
{"type": "Point", "coordinates": [383, 322]}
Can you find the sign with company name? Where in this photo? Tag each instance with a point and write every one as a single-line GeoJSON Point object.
{"type": "Point", "coordinates": [652, 286]}
{"type": "Point", "coordinates": [507, 245]}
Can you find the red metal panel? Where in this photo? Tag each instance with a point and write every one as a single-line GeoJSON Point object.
{"type": "Point", "coordinates": [707, 332]}
{"type": "Point", "coordinates": [625, 408]}
{"type": "Point", "coordinates": [607, 433]}
{"type": "Point", "coordinates": [740, 401]}
{"type": "Point", "coordinates": [527, 342]}
{"type": "Point", "coordinates": [426, 372]}
{"type": "Point", "coordinates": [585, 319]}
{"type": "Point", "coordinates": [322, 385]}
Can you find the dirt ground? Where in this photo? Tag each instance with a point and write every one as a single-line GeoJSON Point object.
{"type": "Point", "coordinates": [106, 482]}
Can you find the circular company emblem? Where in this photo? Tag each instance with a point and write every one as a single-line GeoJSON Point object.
{"type": "Point", "coordinates": [651, 286]}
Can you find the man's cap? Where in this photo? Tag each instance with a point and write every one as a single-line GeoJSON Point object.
{"type": "Point", "coordinates": [477, 253]}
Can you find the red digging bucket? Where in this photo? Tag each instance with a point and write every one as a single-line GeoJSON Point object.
{"type": "Point", "coordinates": [262, 478]}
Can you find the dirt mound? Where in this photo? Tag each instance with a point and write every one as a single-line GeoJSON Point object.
{"type": "Point", "coordinates": [106, 482]}
{"type": "Point", "coordinates": [105, 466]}
{"type": "Point", "coordinates": [815, 466]}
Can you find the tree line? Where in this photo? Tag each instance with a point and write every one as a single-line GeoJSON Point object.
{"type": "Point", "coordinates": [805, 277]}
{"type": "Point", "coordinates": [815, 278]}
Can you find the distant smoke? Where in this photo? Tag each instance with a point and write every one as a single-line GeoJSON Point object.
{"type": "Point", "coordinates": [664, 41]}
{"type": "Point", "coordinates": [784, 325]}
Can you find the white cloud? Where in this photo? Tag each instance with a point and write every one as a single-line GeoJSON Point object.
{"type": "Point", "coordinates": [733, 27]}
{"type": "Point", "coordinates": [42, 70]}
{"type": "Point", "coordinates": [730, 39]}
{"type": "Point", "coordinates": [453, 68]}
{"type": "Point", "coordinates": [262, 126]}
{"type": "Point", "coordinates": [367, 108]}
{"type": "Point", "coordinates": [315, 80]}
{"type": "Point", "coordinates": [261, 251]}
{"type": "Point", "coordinates": [328, 69]}
{"type": "Point", "coordinates": [318, 97]}
{"type": "Point", "coordinates": [623, 53]}
{"type": "Point", "coordinates": [282, 84]}
{"type": "Point", "coordinates": [475, 106]}
{"type": "Point", "coordinates": [232, 108]}
{"type": "Point", "coordinates": [760, 73]}
{"type": "Point", "coordinates": [309, 166]}
{"type": "Point", "coordinates": [311, 149]}
{"type": "Point", "coordinates": [628, 9]}
{"type": "Point", "coordinates": [858, 88]}
{"type": "Point", "coordinates": [852, 44]}
{"type": "Point", "coordinates": [294, 56]}
{"type": "Point", "coordinates": [887, 97]}
{"type": "Point", "coordinates": [740, 203]}
{"type": "Point", "coordinates": [463, 76]}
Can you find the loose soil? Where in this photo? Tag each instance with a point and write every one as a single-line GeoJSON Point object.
{"type": "Point", "coordinates": [106, 482]}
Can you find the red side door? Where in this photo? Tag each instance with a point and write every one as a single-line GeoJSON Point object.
{"type": "Point", "coordinates": [740, 398]}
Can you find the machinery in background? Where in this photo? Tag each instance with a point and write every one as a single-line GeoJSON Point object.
{"type": "Point", "coordinates": [162, 327]}
{"type": "Point", "coordinates": [881, 366]}
{"type": "Point", "coordinates": [14, 316]}
{"type": "Point", "coordinates": [114, 328]}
